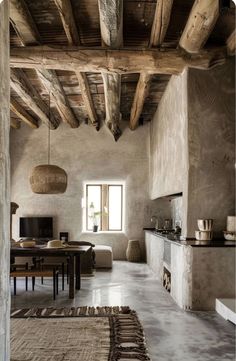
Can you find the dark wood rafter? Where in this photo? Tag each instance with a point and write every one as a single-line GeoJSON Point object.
{"type": "Point", "coordinates": [21, 85]}
{"type": "Point", "coordinates": [67, 17]}
{"type": "Point", "coordinates": [200, 24]}
{"type": "Point", "coordinates": [122, 61]}
{"type": "Point", "coordinates": [50, 80]}
{"type": "Point", "coordinates": [160, 22]}
{"type": "Point", "coordinates": [111, 24]}
{"type": "Point", "coordinates": [15, 123]}
{"type": "Point", "coordinates": [23, 114]}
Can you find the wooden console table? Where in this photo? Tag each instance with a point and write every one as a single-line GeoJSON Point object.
{"type": "Point", "coordinates": [72, 252]}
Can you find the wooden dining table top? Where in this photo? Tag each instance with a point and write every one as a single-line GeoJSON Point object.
{"type": "Point", "coordinates": [43, 250]}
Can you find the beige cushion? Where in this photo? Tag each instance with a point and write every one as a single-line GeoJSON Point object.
{"type": "Point", "coordinates": [103, 256]}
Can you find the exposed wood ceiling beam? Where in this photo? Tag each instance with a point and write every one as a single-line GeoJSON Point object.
{"type": "Point", "coordinates": [23, 23]}
{"type": "Point", "coordinates": [87, 98]}
{"type": "Point", "coordinates": [23, 114]}
{"type": "Point", "coordinates": [111, 24]}
{"type": "Point", "coordinates": [139, 99]}
{"type": "Point", "coordinates": [231, 43]}
{"type": "Point", "coordinates": [68, 21]}
{"type": "Point", "coordinates": [153, 61]}
{"type": "Point", "coordinates": [160, 22]}
{"type": "Point", "coordinates": [69, 24]}
{"type": "Point", "coordinates": [15, 123]}
{"type": "Point", "coordinates": [50, 80]}
{"type": "Point", "coordinates": [200, 23]}
{"type": "Point", "coordinates": [22, 86]}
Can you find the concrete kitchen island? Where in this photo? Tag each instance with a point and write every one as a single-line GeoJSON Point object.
{"type": "Point", "coordinates": [199, 273]}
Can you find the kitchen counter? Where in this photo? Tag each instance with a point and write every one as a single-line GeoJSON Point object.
{"type": "Point", "coordinates": [177, 239]}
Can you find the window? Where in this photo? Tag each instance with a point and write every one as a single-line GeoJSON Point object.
{"type": "Point", "coordinates": [104, 207]}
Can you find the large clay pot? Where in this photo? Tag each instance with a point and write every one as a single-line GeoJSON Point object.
{"type": "Point", "coordinates": [133, 252]}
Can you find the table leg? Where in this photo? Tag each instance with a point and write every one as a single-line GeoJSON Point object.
{"type": "Point", "coordinates": [78, 272]}
{"type": "Point", "coordinates": [71, 277]}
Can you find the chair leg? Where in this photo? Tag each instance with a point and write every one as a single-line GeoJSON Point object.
{"type": "Point", "coordinates": [41, 280]}
{"type": "Point", "coordinates": [63, 275]}
{"type": "Point", "coordinates": [67, 273]}
{"type": "Point", "coordinates": [14, 282]}
{"type": "Point", "coordinates": [33, 283]}
{"type": "Point", "coordinates": [54, 284]}
{"type": "Point", "coordinates": [26, 283]}
{"type": "Point", "coordinates": [57, 281]}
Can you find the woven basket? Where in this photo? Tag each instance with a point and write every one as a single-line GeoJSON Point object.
{"type": "Point", "coordinates": [48, 179]}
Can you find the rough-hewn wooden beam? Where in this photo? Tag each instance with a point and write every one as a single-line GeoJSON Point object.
{"type": "Point", "coordinates": [160, 22]}
{"type": "Point", "coordinates": [68, 21]}
{"type": "Point", "coordinates": [23, 23]}
{"type": "Point", "coordinates": [200, 23]}
{"type": "Point", "coordinates": [139, 99]}
{"type": "Point", "coordinates": [87, 98]}
{"type": "Point", "coordinates": [50, 80]}
{"type": "Point", "coordinates": [231, 43]}
{"type": "Point", "coordinates": [112, 84]}
{"type": "Point", "coordinates": [23, 114]}
{"type": "Point", "coordinates": [153, 61]}
{"type": "Point", "coordinates": [15, 123]}
{"type": "Point", "coordinates": [111, 24]}
{"type": "Point", "coordinates": [22, 86]}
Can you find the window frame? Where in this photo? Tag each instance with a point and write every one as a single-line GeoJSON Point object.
{"type": "Point", "coordinates": [103, 184]}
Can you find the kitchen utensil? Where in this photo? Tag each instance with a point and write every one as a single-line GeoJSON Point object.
{"type": "Point", "coordinates": [230, 236]}
{"type": "Point", "coordinates": [203, 235]}
{"type": "Point", "coordinates": [168, 224]}
{"type": "Point", "coordinates": [231, 223]}
{"type": "Point", "coordinates": [205, 224]}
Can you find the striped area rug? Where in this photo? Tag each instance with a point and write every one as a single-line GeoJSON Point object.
{"type": "Point", "coordinates": [77, 334]}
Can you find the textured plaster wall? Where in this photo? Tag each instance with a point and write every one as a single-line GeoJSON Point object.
{"type": "Point", "coordinates": [85, 155]}
{"type": "Point", "coordinates": [211, 134]}
{"type": "Point", "coordinates": [5, 298]}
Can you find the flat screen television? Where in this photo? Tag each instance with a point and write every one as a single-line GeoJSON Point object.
{"type": "Point", "coordinates": [36, 227]}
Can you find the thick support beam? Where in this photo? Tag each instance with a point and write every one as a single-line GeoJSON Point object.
{"type": "Point", "coordinates": [23, 114]}
{"type": "Point", "coordinates": [153, 61]}
{"type": "Point", "coordinates": [68, 21]}
{"type": "Point", "coordinates": [112, 84]}
{"type": "Point", "coordinates": [21, 85]}
{"type": "Point", "coordinates": [15, 123]}
{"type": "Point", "coordinates": [23, 23]}
{"type": "Point", "coordinates": [200, 23]}
{"type": "Point", "coordinates": [139, 99]}
{"type": "Point", "coordinates": [160, 22]}
{"type": "Point", "coordinates": [50, 80]}
{"type": "Point", "coordinates": [231, 43]}
{"type": "Point", "coordinates": [5, 299]}
{"type": "Point", "coordinates": [87, 99]}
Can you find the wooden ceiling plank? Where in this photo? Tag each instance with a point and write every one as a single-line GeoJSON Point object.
{"type": "Point", "coordinates": [231, 43]}
{"type": "Point", "coordinates": [51, 83]}
{"type": "Point", "coordinates": [139, 99]}
{"type": "Point", "coordinates": [15, 123]}
{"type": "Point", "coordinates": [23, 114]}
{"type": "Point", "coordinates": [23, 23]}
{"type": "Point", "coordinates": [87, 98]}
{"type": "Point", "coordinates": [67, 17]}
{"type": "Point", "coordinates": [111, 24]}
{"type": "Point", "coordinates": [201, 22]}
{"type": "Point", "coordinates": [160, 22]}
{"type": "Point", "coordinates": [22, 86]}
{"type": "Point", "coordinates": [153, 61]}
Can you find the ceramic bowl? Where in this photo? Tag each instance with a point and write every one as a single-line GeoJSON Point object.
{"type": "Point", "coordinates": [205, 224]}
{"type": "Point", "coordinates": [230, 236]}
{"type": "Point", "coordinates": [27, 244]}
{"type": "Point", "coordinates": [203, 235]}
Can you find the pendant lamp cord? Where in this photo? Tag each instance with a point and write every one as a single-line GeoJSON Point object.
{"type": "Point", "coordinates": [49, 129]}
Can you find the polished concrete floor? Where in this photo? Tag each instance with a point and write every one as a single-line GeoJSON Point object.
{"type": "Point", "coordinates": [172, 334]}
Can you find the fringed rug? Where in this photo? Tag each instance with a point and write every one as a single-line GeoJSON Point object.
{"type": "Point", "coordinates": [77, 334]}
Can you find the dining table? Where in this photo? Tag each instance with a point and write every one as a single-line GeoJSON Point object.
{"type": "Point", "coordinates": [73, 254]}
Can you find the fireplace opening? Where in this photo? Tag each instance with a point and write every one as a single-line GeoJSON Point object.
{"type": "Point", "coordinates": [167, 279]}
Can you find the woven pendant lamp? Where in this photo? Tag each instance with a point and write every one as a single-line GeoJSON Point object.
{"type": "Point", "coordinates": [48, 178]}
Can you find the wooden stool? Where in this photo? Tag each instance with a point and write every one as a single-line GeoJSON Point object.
{"type": "Point", "coordinates": [133, 252]}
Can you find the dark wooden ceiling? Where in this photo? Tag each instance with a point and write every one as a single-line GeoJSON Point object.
{"type": "Point", "coordinates": [138, 18]}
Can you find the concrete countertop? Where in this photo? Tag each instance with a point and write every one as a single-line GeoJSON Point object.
{"type": "Point", "coordinates": [178, 240]}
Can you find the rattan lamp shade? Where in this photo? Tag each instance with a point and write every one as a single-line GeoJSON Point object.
{"type": "Point", "coordinates": [48, 179]}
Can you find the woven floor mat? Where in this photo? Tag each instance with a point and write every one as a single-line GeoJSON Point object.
{"type": "Point", "coordinates": [77, 334]}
